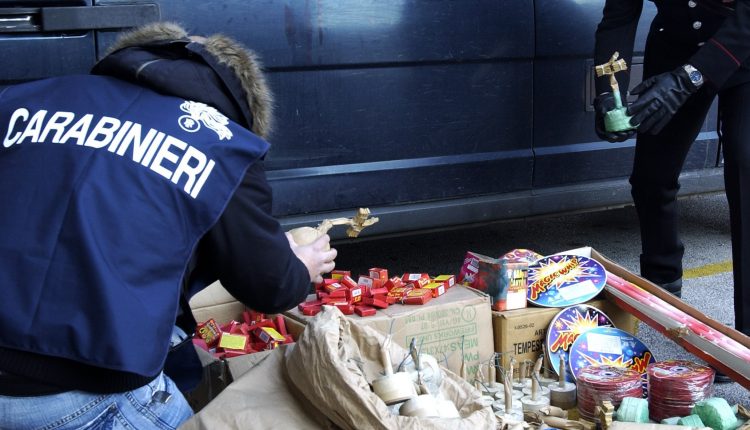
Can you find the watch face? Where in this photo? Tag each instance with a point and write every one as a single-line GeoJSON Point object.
{"type": "Point", "coordinates": [696, 76]}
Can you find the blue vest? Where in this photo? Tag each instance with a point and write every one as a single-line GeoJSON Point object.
{"type": "Point", "coordinates": [105, 189]}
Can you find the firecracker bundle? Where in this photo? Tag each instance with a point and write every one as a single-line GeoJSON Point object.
{"type": "Point", "coordinates": [254, 334]}
{"type": "Point", "coordinates": [374, 291]}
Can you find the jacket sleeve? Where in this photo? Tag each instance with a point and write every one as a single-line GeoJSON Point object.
{"type": "Point", "coordinates": [723, 53]}
{"type": "Point", "coordinates": [249, 254]}
{"type": "Point", "coordinates": [616, 33]}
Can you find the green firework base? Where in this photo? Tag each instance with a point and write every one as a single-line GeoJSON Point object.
{"type": "Point", "coordinates": [617, 120]}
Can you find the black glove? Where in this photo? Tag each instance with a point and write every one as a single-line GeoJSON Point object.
{"type": "Point", "coordinates": [659, 98]}
{"type": "Point", "coordinates": [604, 103]}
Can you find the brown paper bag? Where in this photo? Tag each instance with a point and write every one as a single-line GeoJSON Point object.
{"type": "Point", "coordinates": [334, 362]}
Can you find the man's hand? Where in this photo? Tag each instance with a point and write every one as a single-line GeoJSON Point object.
{"type": "Point", "coordinates": [604, 103]}
{"type": "Point", "coordinates": [317, 256]}
{"type": "Point", "coordinates": [659, 98]}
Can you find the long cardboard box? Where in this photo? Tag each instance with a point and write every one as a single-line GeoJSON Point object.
{"type": "Point", "coordinates": [718, 356]}
{"type": "Point", "coordinates": [461, 316]}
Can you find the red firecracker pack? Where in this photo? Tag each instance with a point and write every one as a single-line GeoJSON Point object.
{"type": "Point", "coordinates": [394, 282]}
{"type": "Point", "coordinates": [395, 295]}
{"type": "Point", "coordinates": [420, 283]}
{"type": "Point", "coordinates": [209, 331]}
{"type": "Point", "coordinates": [447, 280]}
{"type": "Point", "coordinates": [253, 316]}
{"type": "Point", "coordinates": [437, 288]}
{"type": "Point", "coordinates": [364, 311]}
{"type": "Point", "coordinates": [348, 282]}
{"type": "Point", "coordinates": [281, 325]}
{"type": "Point", "coordinates": [330, 288]}
{"type": "Point", "coordinates": [365, 281]}
{"type": "Point", "coordinates": [470, 268]}
{"type": "Point", "coordinates": [418, 296]}
{"type": "Point", "coordinates": [239, 338]}
{"type": "Point", "coordinates": [232, 327]}
{"type": "Point", "coordinates": [268, 335]}
{"type": "Point", "coordinates": [339, 293]}
{"type": "Point", "coordinates": [346, 309]}
{"type": "Point", "coordinates": [408, 277]}
{"type": "Point", "coordinates": [335, 301]}
{"type": "Point", "coordinates": [380, 302]}
{"type": "Point", "coordinates": [378, 273]}
{"type": "Point", "coordinates": [311, 303]}
{"type": "Point", "coordinates": [354, 295]}
{"type": "Point", "coordinates": [312, 310]}
{"type": "Point", "coordinates": [382, 291]}
{"type": "Point", "coordinates": [375, 291]}
{"type": "Point", "coordinates": [338, 274]}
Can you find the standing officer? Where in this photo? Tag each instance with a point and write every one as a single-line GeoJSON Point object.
{"type": "Point", "coordinates": [696, 50]}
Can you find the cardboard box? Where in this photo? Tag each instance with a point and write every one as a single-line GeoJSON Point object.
{"type": "Point", "coordinates": [522, 332]}
{"type": "Point", "coordinates": [215, 302]}
{"type": "Point", "coordinates": [439, 326]}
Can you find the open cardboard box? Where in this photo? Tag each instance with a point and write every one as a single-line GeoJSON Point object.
{"type": "Point", "coordinates": [718, 357]}
{"type": "Point", "coordinates": [460, 316]}
{"type": "Point", "coordinates": [215, 302]}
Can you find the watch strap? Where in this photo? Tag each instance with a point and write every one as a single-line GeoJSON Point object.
{"type": "Point", "coordinates": [695, 76]}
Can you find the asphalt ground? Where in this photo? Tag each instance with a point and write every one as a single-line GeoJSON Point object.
{"type": "Point", "coordinates": [704, 223]}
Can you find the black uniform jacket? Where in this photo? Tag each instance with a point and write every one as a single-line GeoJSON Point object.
{"type": "Point", "coordinates": [712, 35]}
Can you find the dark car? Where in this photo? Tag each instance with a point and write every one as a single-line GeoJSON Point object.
{"type": "Point", "coordinates": [432, 113]}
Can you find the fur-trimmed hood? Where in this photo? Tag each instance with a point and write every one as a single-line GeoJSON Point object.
{"type": "Point", "coordinates": [216, 70]}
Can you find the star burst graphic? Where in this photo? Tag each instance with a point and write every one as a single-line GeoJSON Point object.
{"type": "Point", "coordinates": [579, 323]}
{"type": "Point", "coordinates": [552, 269]}
{"type": "Point", "coordinates": [617, 362]}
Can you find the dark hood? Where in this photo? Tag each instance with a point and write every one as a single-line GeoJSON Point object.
{"type": "Point", "coordinates": [217, 71]}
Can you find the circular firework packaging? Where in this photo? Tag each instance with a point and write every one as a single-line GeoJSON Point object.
{"type": "Point", "coordinates": [675, 386]}
{"type": "Point", "coordinates": [562, 280]}
{"type": "Point", "coordinates": [614, 347]}
{"type": "Point", "coordinates": [565, 328]}
{"type": "Point", "coordinates": [522, 255]}
{"type": "Point", "coordinates": [609, 346]}
{"type": "Point", "coordinates": [603, 382]}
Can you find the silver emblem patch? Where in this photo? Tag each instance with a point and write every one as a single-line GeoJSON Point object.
{"type": "Point", "coordinates": [200, 113]}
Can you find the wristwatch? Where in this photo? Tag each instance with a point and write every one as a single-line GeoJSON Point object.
{"type": "Point", "coordinates": [696, 77]}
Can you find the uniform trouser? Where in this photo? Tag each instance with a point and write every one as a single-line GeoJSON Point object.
{"type": "Point", "coordinates": [657, 165]}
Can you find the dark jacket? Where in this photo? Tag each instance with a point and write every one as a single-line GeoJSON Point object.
{"type": "Point", "coordinates": [246, 249]}
{"type": "Point", "coordinates": [712, 35]}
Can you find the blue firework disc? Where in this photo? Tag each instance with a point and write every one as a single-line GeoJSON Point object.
{"type": "Point", "coordinates": [563, 280]}
{"type": "Point", "coordinates": [609, 346]}
{"type": "Point", "coordinates": [565, 328]}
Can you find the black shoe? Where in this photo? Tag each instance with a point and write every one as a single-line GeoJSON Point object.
{"type": "Point", "coordinates": [721, 378]}
{"type": "Point", "coordinates": [674, 287]}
